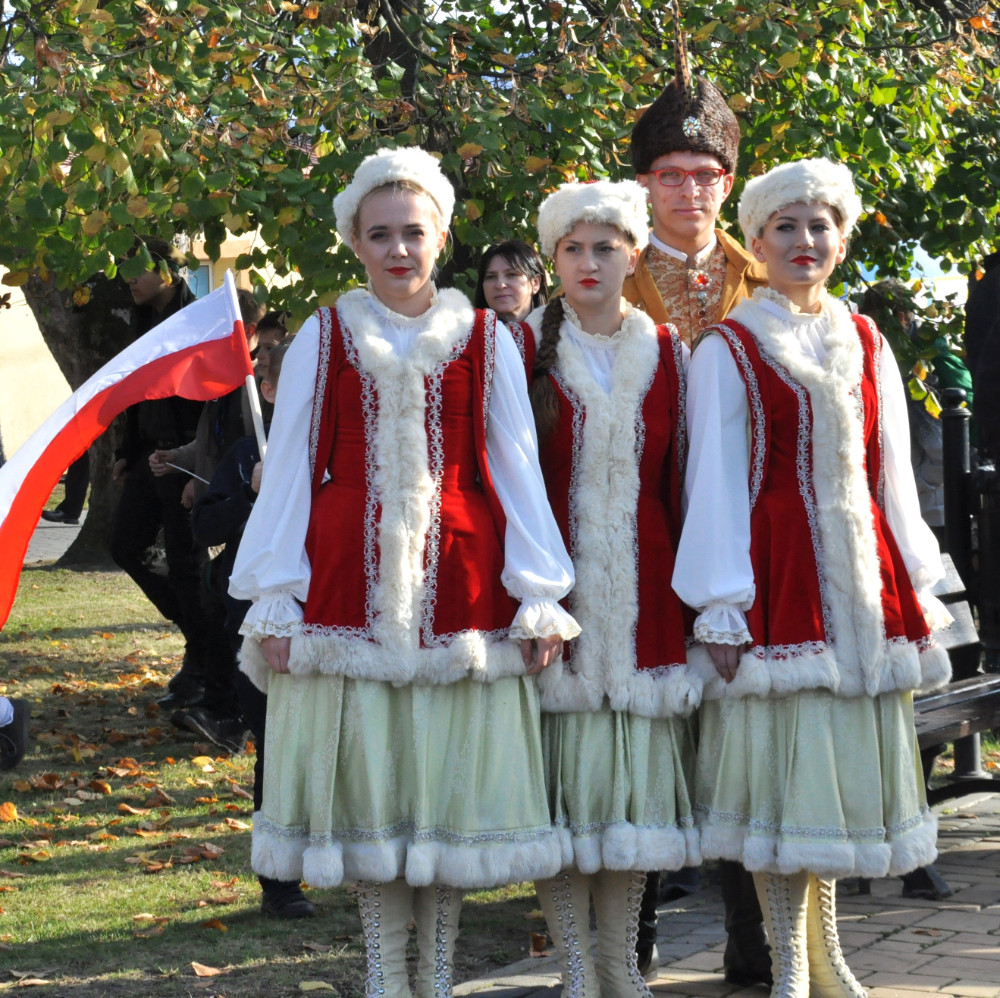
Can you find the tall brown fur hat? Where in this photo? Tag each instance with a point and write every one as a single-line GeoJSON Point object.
{"type": "Point", "coordinates": [689, 116]}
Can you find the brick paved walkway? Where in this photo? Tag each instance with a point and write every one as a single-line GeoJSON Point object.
{"type": "Point", "coordinates": [897, 947]}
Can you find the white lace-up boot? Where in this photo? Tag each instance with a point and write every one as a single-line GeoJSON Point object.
{"type": "Point", "coordinates": [783, 902]}
{"type": "Point", "coordinates": [829, 975]}
{"type": "Point", "coordinates": [436, 910]}
{"type": "Point", "coordinates": [565, 901]}
{"type": "Point", "coordinates": [617, 897]}
{"type": "Point", "coordinates": [386, 910]}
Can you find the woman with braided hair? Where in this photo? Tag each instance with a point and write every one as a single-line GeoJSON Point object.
{"type": "Point", "coordinates": [608, 396]}
{"type": "Point", "coordinates": [805, 556]}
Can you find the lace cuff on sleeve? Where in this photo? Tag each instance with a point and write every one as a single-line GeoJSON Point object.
{"type": "Point", "coordinates": [279, 616]}
{"type": "Point", "coordinates": [721, 624]}
{"type": "Point", "coordinates": [543, 618]}
{"type": "Point", "coordinates": [935, 612]}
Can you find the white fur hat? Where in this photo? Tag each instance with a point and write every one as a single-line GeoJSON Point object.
{"type": "Point", "coordinates": [806, 181]}
{"type": "Point", "coordinates": [385, 167]}
{"type": "Point", "coordinates": [621, 204]}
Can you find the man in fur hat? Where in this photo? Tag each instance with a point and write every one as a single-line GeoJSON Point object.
{"type": "Point", "coordinates": [684, 151]}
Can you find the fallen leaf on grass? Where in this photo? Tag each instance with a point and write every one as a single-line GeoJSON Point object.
{"type": "Point", "coordinates": [145, 916]}
{"type": "Point", "coordinates": [12, 874]}
{"type": "Point", "coordinates": [8, 812]}
{"type": "Point", "coordinates": [7, 887]}
{"type": "Point", "coordinates": [22, 786]}
{"type": "Point", "coordinates": [239, 826]}
{"type": "Point", "coordinates": [318, 947]}
{"type": "Point", "coordinates": [151, 932]}
{"type": "Point", "coordinates": [40, 856]}
{"type": "Point", "coordinates": [214, 923]}
{"type": "Point", "coordinates": [204, 762]}
{"type": "Point", "coordinates": [101, 786]}
{"type": "Point", "coordinates": [315, 986]}
{"type": "Point", "coordinates": [200, 970]}
{"type": "Point", "coordinates": [232, 882]}
{"type": "Point", "coordinates": [128, 809]}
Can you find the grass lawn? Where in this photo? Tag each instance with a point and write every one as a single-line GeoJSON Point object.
{"type": "Point", "coordinates": [124, 843]}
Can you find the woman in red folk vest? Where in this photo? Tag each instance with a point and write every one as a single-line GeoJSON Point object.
{"type": "Point", "coordinates": [608, 395]}
{"type": "Point", "coordinates": [804, 553]}
{"type": "Point", "coordinates": [405, 570]}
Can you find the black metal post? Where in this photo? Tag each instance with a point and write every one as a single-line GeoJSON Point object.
{"type": "Point", "coordinates": [988, 583]}
{"type": "Point", "coordinates": [958, 535]}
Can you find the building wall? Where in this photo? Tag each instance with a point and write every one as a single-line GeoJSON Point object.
{"type": "Point", "coordinates": [31, 384]}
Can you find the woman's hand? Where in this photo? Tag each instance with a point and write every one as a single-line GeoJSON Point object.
{"type": "Point", "coordinates": [275, 651]}
{"type": "Point", "coordinates": [539, 653]}
{"type": "Point", "coordinates": [726, 659]}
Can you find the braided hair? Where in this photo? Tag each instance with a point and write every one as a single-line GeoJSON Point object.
{"type": "Point", "coordinates": [544, 402]}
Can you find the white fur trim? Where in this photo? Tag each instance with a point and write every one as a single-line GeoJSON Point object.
{"type": "Point", "coordinates": [604, 497]}
{"type": "Point", "coordinates": [769, 853]}
{"type": "Point", "coordinates": [385, 167]}
{"type": "Point", "coordinates": [806, 181]}
{"type": "Point", "coordinates": [330, 863]}
{"type": "Point", "coordinates": [331, 652]}
{"type": "Point", "coordinates": [621, 204]}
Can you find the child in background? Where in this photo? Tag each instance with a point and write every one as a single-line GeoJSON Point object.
{"type": "Point", "coordinates": [608, 397]}
{"type": "Point", "coordinates": [219, 518]}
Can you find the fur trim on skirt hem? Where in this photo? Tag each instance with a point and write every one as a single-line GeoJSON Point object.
{"type": "Point", "coordinates": [624, 846]}
{"type": "Point", "coordinates": [292, 854]}
{"type": "Point", "coordinates": [766, 852]}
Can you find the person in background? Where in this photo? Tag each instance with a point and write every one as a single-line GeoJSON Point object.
{"type": "Point", "coordinates": [805, 557]}
{"type": "Point", "coordinates": [512, 281]}
{"type": "Point", "coordinates": [271, 330]}
{"type": "Point", "coordinates": [685, 149]}
{"type": "Point", "coordinates": [405, 571]}
{"type": "Point", "coordinates": [149, 503]}
{"type": "Point", "coordinates": [14, 716]}
{"type": "Point", "coordinates": [222, 422]}
{"type": "Point", "coordinates": [218, 519]}
{"type": "Point", "coordinates": [608, 398]}
{"type": "Point", "coordinates": [77, 483]}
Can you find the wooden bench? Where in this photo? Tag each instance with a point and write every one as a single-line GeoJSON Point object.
{"type": "Point", "coordinates": [968, 705]}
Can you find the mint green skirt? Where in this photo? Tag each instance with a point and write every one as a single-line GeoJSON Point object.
{"type": "Point", "coordinates": [618, 789]}
{"type": "Point", "coordinates": [813, 782]}
{"type": "Point", "coordinates": [434, 784]}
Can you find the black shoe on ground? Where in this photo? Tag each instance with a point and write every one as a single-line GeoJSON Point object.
{"type": "Point", "coordinates": [14, 736]}
{"type": "Point", "coordinates": [286, 900]}
{"type": "Point", "coordinates": [58, 516]}
{"type": "Point", "coordinates": [229, 733]}
{"type": "Point", "coordinates": [925, 882]}
{"type": "Point", "coordinates": [745, 966]}
{"type": "Point", "coordinates": [647, 956]}
{"type": "Point", "coordinates": [183, 697]}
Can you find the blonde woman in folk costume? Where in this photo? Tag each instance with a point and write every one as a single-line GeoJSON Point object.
{"type": "Point", "coordinates": [804, 553]}
{"type": "Point", "coordinates": [405, 570]}
{"type": "Point", "coordinates": [608, 393]}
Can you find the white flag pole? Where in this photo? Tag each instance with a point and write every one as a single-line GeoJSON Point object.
{"type": "Point", "coordinates": [251, 381]}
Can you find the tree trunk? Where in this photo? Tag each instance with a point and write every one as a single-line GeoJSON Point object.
{"type": "Point", "coordinates": [82, 340]}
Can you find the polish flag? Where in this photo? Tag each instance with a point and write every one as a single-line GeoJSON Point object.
{"type": "Point", "coordinates": [197, 353]}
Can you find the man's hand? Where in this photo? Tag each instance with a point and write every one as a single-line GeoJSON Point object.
{"type": "Point", "coordinates": [726, 659]}
{"type": "Point", "coordinates": [187, 496]}
{"type": "Point", "coordinates": [118, 471]}
{"type": "Point", "coordinates": [258, 470]}
{"type": "Point", "coordinates": [540, 653]}
{"type": "Point", "coordinates": [276, 651]}
{"type": "Point", "coordinates": [158, 462]}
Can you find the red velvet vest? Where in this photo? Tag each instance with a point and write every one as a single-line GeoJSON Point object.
{"type": "Point", "coordinates": [790, 615]}
{"type": "Point", "coordinates": [463, 549]}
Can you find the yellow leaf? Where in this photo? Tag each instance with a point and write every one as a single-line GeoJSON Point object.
{"type": "Point", "coordinates": [200, 970]}
{"type": "Point", "coordinates": [138, 207]}
{"type": "Point", "coordinates": [58, 118]}
{"type": "Point", "coordinates": [315, 986]}
{"type": "Point", "coordinates": [8, 812]}
{"type": "Point", "coordinates": [214, 923]}
{"type": "Point", "coordinates": [535, 164]}
{"type": "Point", "coordinates": [81, 296]}
{"type": "Point", "coordinates": [15, 279]}
{"type": "Point", "coordinates": [473, 210]}
{"type": "Point", "coordinates": [469, 150]}
{"type": "Point", "coordinates": [789, 59]}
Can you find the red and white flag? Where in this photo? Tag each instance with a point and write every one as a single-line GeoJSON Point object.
{"type": "Point", "coordinates": [198, 353]}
